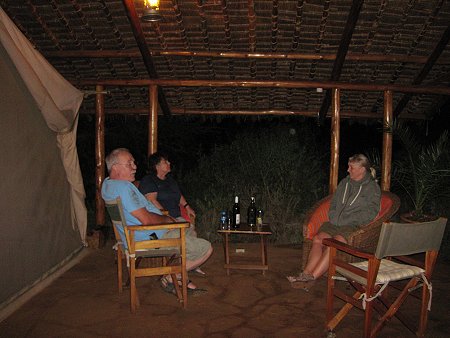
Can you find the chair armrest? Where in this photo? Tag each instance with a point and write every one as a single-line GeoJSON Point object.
{"type": "Point", "coordinates": [178, 225]}
{"type": "Point", "coordinates": [331, 242]}
{"type": "Point", "coordinates": [155, 243]}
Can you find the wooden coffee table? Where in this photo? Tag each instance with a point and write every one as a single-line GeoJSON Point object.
{"type": "Point", "coordinates": [263, 231]}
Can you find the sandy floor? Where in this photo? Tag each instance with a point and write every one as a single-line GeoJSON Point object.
{"type": "Point", "coordinates": [84, 302]}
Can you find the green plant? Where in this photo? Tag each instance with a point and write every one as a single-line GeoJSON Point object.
{"type": "Point", "coordinates": [281, 168]}
{"type": "Point", "coordinates": [423, 169]}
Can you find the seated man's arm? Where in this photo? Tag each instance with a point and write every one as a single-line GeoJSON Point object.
{"type": "Point", "coordinates": [152, 197]}
{"type": "Point", "coordinates": [148, 218]}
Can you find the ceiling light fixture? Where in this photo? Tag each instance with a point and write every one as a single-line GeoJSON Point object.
{"type": "Point", "coordinates": [151, 11]}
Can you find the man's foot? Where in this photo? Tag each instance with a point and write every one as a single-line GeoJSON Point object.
{"type": "Point", "coordinates": [193, 289]}
{"type": "Point", "coordinates": [167, 286]}
{"type": "Point", "coordinates": [199, 272]}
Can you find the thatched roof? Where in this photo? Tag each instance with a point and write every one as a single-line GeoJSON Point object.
{"type": "Point", "coordinates": [283, 45]}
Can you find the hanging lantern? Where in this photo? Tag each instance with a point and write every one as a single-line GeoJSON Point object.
{"type": "Point", "coordinates": [151, 11]}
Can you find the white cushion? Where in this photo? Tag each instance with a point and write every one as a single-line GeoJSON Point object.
{"type": "Point", "coordinates": [388, 271]}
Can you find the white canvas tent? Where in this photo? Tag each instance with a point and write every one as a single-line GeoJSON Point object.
{"type": "Point", "coordinates": [43, 217]}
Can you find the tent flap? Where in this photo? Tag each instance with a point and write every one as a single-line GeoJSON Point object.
{"type": "Point", "coordinates": [58, 102]}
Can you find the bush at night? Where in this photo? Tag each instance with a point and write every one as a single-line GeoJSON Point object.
{"type": "Point", "coordinates": [281, 167]}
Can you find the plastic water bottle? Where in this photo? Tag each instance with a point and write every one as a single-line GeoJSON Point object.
{"type": "Point", "coordinates": [223, 220]}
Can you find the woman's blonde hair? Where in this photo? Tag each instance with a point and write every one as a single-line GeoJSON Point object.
{"type": "Point", "coordinates": [363, 161]}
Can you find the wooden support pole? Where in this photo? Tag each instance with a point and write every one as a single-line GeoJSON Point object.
{"type": "Point", "coordinates": [153, 119]}
{"type": "Point", "coordinates": [99, 155]}
{"type": "Point", "coordinates": [335, 139]}
{"type": "Point", "coordinates": [387, 142]}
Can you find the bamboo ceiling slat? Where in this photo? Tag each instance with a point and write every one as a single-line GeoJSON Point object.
{"type": "Point", "coordinates": [242, 40]}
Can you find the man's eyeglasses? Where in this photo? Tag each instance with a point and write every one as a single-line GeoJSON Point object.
{"type": "Point", "coordinates": [128, 164]}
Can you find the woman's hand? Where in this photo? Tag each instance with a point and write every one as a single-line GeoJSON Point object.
{"type": "Point", "coordinates": [190, 211]}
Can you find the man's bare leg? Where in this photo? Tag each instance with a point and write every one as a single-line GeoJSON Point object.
{"type": "Point", "coordinates": [191, 265]}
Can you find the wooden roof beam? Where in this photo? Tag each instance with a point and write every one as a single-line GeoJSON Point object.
{"type": "Point", "coordinates": [146, 56]}
{"type": "Point", "coordinates": [445, 38]}
{"type": "Point", "coordinates": [182, 111]}
{"type": "Point", "coordinates": [269, 84]}
{"type": "Point", "coordinates": [134, 53]}
{"type": "Point", "coordinates": [342, 52]}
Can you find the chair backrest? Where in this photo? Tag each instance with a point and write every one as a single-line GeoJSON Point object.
{"type": "Point", "coordinates": [397, 239]}
{"type": "Point", "coordinates": [115, 211]}
{"type": "Point", "coordinates": [385, 204]}
{"type": "Point", "coordinates": [318, 214]}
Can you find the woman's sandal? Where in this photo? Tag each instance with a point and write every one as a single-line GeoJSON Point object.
{"type": "Point", "coordinates": [303, 281]}
{"type": "Point", "coordinates": [302, 277]}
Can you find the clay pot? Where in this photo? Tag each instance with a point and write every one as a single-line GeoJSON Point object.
{"type": "Point", "coordinates": [410, 217]}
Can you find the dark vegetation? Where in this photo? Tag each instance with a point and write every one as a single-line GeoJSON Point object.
{"type": "Point", "coordinates": [282, 161]}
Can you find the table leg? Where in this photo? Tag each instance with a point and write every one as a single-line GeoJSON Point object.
{"type": "Point", "coordinates": [263, 253]}
{"type": "Point", "coordinates": [227, 251]}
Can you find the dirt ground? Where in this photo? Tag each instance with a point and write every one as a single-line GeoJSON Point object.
{"type": "Point", "coordinates": [84, 302]}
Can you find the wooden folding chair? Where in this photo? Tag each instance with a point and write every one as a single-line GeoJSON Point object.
{"type": "Point", "coordinates": [133, 251]}
{"type": "Point", "coordinates": [390, 268]}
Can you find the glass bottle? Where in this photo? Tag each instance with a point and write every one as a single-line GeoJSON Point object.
{"type": "Point", "coordinates": [259, 217]}
{"type": "Point", "coordinates": [251, 213]}
{"type": "Point", "coordinates": [236, 212]}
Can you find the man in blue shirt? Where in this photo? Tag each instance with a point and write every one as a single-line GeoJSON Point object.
{"type": "Point", "coordinates": [138, 210]}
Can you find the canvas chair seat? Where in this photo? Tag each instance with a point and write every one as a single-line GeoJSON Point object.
{"type": "Point", "coordinates": [384, 280]}
{"type": "Point", "coordinates": [144, 253]}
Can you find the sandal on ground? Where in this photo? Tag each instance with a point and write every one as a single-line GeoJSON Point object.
{"type": "Point", "coordinates": [193, 289]}
{"type": "Point", "coordinates": [305, 286]}
{"type": "Point", "coordinates": [302, 277]}
{"type": "Point", "coordinates": [199, 272]}
{"type": "Point", "coordinates": [167, 286]}
{"type": "Point", "coordinates": [196, 292]}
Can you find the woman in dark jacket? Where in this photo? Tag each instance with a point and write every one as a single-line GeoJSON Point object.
{"type": "Point", "coordinates": [160, 188]}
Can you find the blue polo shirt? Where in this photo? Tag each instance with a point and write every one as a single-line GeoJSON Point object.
{"type": "Point", "coordinates": [132, 200]}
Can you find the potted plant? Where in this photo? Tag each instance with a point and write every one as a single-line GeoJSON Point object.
{"type": "Point", "coordinates": [422, 170]}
